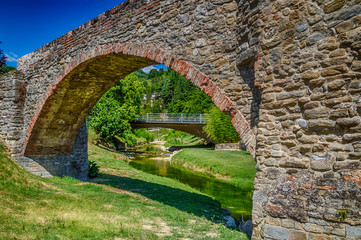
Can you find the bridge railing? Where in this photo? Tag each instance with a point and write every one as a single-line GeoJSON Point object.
{"type": "Point", "coordinates": [172, 118]}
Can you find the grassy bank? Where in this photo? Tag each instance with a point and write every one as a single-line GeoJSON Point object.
{"type": "Point", "coordinates": [123, 203]}
{"type": "Point", "coordinates": [236, 167]}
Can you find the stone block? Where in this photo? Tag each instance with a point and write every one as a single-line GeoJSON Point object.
{"type": "Point", "coordinates": [309, 75]}
{"type": "Point", "coordinates": [246, 56]}
{"type": "Point", "coordinates": [334, 5]}
{"type": "Point", "coordinates": [347, 165]}
{"type": "Point", "coordinates": [356, 65]}
{"type": "Point", "coordinates": [334, 70]}
{"type": "Point", "coordinates": [297, 235]}
{"type": "Point", "coordinates": [321, 123]}
{"type": "Point", "coordinates": [348, 122]}
{"type": "Point", "coordinates": [352, 137]}
{"type": "Point", "coordinates": [321, 165]}
{"type": "Point", "coordinates": [319, 112]}
{"type": "Point", "coordinates": [275, 233]}
{"type": "Point", "coordinates": [337, 84]}
{"type": "Point", "coordinates": [307, 139]}
{"type": "Point", "coordinates": [353, 231]}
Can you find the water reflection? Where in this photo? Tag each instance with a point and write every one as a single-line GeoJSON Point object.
{"type": "Point", "coordinates": [153, 160]}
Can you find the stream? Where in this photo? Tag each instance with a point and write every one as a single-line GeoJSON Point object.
{"type": "Point", "coordinates": [152, 159]}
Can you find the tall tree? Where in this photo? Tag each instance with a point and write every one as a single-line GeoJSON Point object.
{"type": "Point", "coordinates": [121, 104]}
{"type": "Point", "coordinates": [2, 60]}
{"type": "Point", "coordinates": [219, 127]}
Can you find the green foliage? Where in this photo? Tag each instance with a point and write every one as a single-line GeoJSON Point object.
{"type": "Point", "coordinates": [342, 214]}
{"type": "Point", "coordinates": [3, 67]}
{"type": "Point", "coordinates": [141, 75]}
{"type": "Point", "coordinates": [6, 69]}
{"type": "Point", "coordinates": [175, 137]}
{"type": "Point", "coordinates": [121, 104]}
{"type": "Point", "coordinates": [219, 127]}
{"type": "Point", "coordinates": [178, 138]}
{"type": "Point", "coordinates": [2, 59]}
{"type": "Point", "coordinates": [143, 134]}
{"type": "Point", "coordinates": [93, 170]}
{"type": "Point", "coordinates": [173, 93]}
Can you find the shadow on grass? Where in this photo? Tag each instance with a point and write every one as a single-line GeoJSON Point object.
{"type": "Point", "coordinates": [197, 204]}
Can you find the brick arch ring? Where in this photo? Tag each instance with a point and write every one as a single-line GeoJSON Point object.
{"type": "Point", "coordinates": [160, 56]}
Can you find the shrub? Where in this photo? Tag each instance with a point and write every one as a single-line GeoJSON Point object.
{"type": "Point", "coordinates": [219, 127]}
{"type": "Point", "coordinates": [93, 170]}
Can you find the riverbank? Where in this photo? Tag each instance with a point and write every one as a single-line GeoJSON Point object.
{"type": "Point", "coordinates": [235, 167]}
{"type": "Point", "coordinates": [122, 204]}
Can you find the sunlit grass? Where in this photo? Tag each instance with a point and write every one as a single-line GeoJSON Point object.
{"type": "Point", "coordinates": [238, 167]}
{"type": "Point", "coordinates": [123, 203]}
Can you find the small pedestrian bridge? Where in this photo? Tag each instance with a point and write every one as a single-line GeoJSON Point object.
{"type": "Point", "coordinates": [192, 123]}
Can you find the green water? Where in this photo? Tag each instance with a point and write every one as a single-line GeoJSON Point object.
{"type": "Point", "coordinates": [153, 160]}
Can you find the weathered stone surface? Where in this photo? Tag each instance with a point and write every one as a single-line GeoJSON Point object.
{"type": "Point", "coordinates": [319, 112]}
{"type": "Point", "coordinates": [272, 232]}
{"type": "Point", "coordinates": [334, 5]}
{"type": "Point", "coordinates": [302, 122]}
{"type": "Point", "coordinates": [297, 235]}
{"type": "Point", "coordinates": [348, 122]}
{"type": "Point", "coordinates": [352, 137]}
{"type": "Point", "coordinates": [349, 165]}
{"type": "Point", "coordinates": [321, 123]}
{"type": "Point", "coordinates": [335, 85]}
{"type": "Point", "coordinates": [309, 75]}
{"type": "Point", "coordinates": [352, 231]}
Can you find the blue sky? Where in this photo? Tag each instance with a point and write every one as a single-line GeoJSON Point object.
{"type": "Point", "coordinates": [26, 25]}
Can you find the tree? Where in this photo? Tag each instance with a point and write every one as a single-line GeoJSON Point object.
{"type": "Point", "coordinates": [219, 127]}
{"type": "Point", "coordinates": [2, 61]}
{"type": "Point", "coordinates": [3, 67]}
{"type": "Point", "coordinates": [110, 117]}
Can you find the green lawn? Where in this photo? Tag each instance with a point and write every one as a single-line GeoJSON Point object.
{"type": "Point", "coordinates": [123, 203]}
{"type": "Point", "coordinates": [237, 167]}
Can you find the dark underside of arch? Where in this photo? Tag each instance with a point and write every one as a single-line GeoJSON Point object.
{"type": "Point", "coordinates": [73, 98]}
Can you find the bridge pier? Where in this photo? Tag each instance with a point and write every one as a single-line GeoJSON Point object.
{"type": "Point", "coordinates": [13, 87]}
{"type": "Point", "coordinates": [73, 165]}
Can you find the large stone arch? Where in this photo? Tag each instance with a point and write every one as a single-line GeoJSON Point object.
{"type": "Point", "coordinates": [74, 92]}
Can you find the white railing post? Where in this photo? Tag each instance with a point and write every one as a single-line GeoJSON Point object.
{"type": "Point", "coordinates": [163, 117]}
{"type": "Point", "coordinates": [147, 117]}
{"type": "Point", "coordinates": [182, 118]}
{"type": "Point", "coordinates": [200, 118]}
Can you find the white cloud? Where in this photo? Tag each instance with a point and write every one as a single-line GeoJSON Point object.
{"type": "Point", "coordinates": [147, 69]}
{"type": "Point", "coordinates": [11, 57]}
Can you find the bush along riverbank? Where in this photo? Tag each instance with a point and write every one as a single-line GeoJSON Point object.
{"type": "Point", "coordinates": [122, 204]}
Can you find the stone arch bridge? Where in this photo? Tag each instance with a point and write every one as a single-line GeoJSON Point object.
{"type": "Point", "coordinates": [286, 71]}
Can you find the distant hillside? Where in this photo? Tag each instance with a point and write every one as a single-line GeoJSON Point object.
{"type": "Point", "coordinates": [141, 75]}
{"type": "Point", "coordinates": [168, 91]}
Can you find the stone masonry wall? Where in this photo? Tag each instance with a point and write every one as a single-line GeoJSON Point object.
{"type": "Point", "coordinates": [306, 60]}
{"type": "Point", "coordinates": [74, 164]}
{"type": "Point", "coordinates": [12, 98]}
